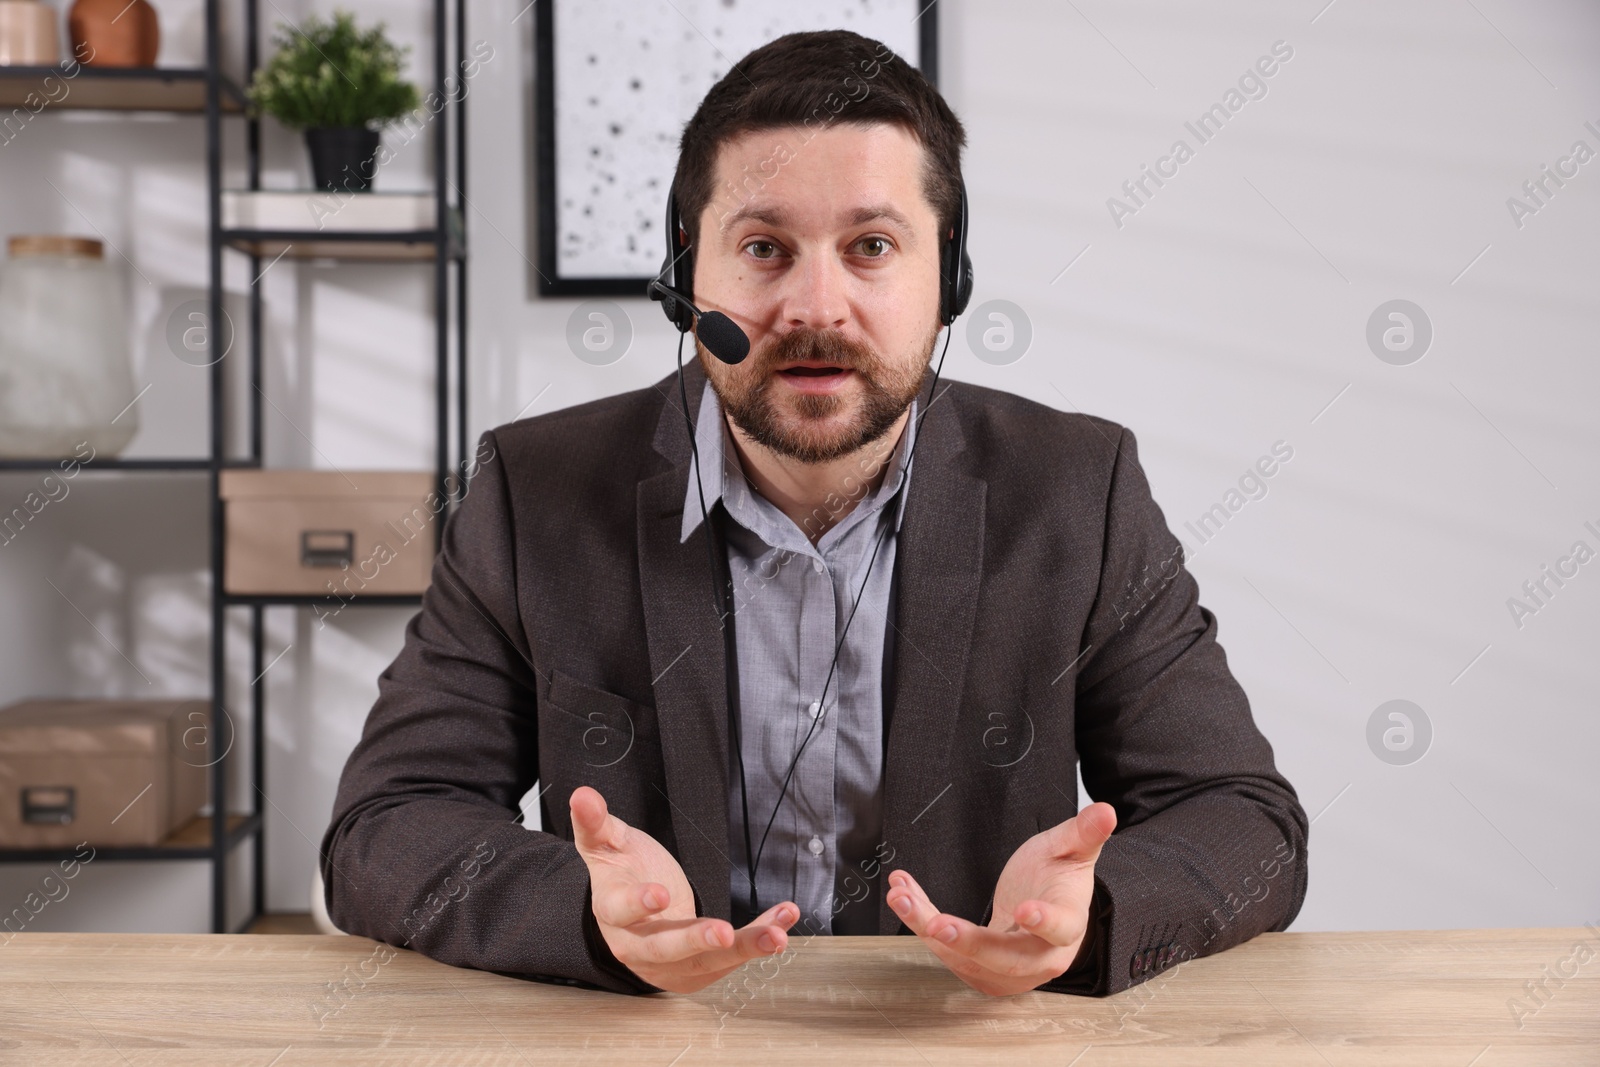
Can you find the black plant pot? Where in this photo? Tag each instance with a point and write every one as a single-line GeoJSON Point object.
{"type": "Point", "coordinates": [343, 158]}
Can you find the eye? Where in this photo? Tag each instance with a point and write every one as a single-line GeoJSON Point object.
{"type": "Point", "coordinates": [761, 244]}
{"type": "Point", "coordinates": [878, 241]}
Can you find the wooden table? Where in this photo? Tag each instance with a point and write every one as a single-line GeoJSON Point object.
{"type": "Point", "coordinates": [1315, 999]}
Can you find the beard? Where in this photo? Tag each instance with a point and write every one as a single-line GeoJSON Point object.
{"type": "Point", "coordinates": [801, 426]}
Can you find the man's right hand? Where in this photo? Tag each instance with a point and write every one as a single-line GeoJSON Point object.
{"type": "Point", "coordinates": [645, 908]}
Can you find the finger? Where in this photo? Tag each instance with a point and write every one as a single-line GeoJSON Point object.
{"type": "Point", "coordinates": [782, 915]}
{"type": "Point", "coordinates": [705, 933]}
{"type": "Point", "coordinates": [706, 946]}
{"type": "Point", "coordinates": [1051, 922]}
{"type": "Point", "coordinates": [764, 936]}
{"type": "Point", "coordinates": [1081, 836]}
{"type": "Point", "coordinates": [767, 934]}
{"type": "Point", "coordinates": [914, 907]}
{"type": "Point", "coordinates": [594, 828]}
{"type": "Point", "coordinates": [1007, 954]}
{"type": "Point", "coordinates": [909, 902]}
{"type": "Point", "coordinates": [630, 902]}
{"type": "Point", "coordinates": [662, 942]}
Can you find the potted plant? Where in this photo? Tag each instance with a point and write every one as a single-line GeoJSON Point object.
{"type": "Point", "coordinates": [340, 85]}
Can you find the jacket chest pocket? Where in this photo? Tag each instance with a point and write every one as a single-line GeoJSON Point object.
{"type": "Point", "coordinates": [591, 736]}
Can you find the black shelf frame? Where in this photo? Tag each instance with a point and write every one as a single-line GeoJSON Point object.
{"type": "Point", "coordinates": [207, 91]}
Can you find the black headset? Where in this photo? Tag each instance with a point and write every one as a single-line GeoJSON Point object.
{"type": "Point", "coordinates": [723, 338]}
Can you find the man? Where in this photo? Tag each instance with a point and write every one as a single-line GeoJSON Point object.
{"type": "Point", "coordinates": [943, 603]}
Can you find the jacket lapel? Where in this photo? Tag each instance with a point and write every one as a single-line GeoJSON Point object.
{"type": "Point", "coordinates": [687, 663]}
{"type": "Point", "coordinates": [939, 564]}
{"type": "Point", "coordinates": [939, 561]}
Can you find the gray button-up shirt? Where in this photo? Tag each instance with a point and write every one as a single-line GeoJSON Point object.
{"type": "Point", "coordinates": [791, 603]}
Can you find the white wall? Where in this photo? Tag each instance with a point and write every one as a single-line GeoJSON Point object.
{"type": "Point", "coordinates": [1223, 316]}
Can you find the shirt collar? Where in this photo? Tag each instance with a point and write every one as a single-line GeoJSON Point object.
{"type": "Point", "coordinates": [714, 442]}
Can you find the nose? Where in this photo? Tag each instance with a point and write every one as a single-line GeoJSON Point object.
{"type": "Point", "coordinates": [817, 295]}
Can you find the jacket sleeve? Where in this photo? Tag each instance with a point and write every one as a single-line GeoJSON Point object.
{"type": "Point", "coordinates": [426, 849]}
{"type": "Point", "coordinates": [1210, 845]}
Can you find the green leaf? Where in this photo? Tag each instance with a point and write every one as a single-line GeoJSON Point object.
{"type": "Point", "coordinates": [329, 73]}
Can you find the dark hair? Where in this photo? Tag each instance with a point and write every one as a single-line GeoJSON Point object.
{"type": "Point", "coordinates": [812, 80]}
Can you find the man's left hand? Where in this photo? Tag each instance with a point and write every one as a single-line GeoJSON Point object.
{"type": "Point", "coordinates": [1040, 914]}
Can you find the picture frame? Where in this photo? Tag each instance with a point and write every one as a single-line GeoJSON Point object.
{"type": "Point", "coordinates": [614, 83]}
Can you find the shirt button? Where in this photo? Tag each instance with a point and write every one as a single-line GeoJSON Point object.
{"type": "Point", "coordinates": [815, 708]}
{"type": "Point", "coordinates": [815, 845]}
{"type": "Point", "coordinates": [817, 566]}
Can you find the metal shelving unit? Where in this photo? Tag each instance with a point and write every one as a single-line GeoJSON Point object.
{"type": "Point", "coordinates": [208, 92]}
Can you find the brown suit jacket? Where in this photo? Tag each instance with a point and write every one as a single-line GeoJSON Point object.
{"type": "Point", "coordinates": [1043, 618]}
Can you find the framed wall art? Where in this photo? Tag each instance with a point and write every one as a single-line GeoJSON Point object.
{"type": "Point", "coordinates": [615, 81]}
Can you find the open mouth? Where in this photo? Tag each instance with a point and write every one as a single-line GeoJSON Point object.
{"type": "Point", "coordinates": [811, 372]}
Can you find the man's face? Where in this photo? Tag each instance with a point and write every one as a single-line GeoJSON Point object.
{"type": "Point", "coordinates": [827, 257]}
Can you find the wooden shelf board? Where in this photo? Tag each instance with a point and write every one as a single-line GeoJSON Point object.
{"type": "Point", "coordinates": [397, 246]}
{"type": "Point", "coordinates": [308, 599]}
{"type": "Point", "coordinates": [192, 840]}
{"type": "Point", "coordinates": [196, 833]}
{"type": "Point", "coordinates": [15, 463]}
{"type": "Point", "coordinates": [84, 88]}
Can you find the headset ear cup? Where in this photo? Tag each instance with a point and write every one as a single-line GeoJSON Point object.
{"type": "Point", "coordinates": [685, 274]}
{"type": "Point", "coordinates": [955, 268]}
{"type": "Point", "coordinates": [669, 306]}
{"type": "Point", "coordinates": [964, 291]}
{"type": "Point", "coordinates": [948, 289]}
{"type": "Point", "coordinates": [955, 290]}
{"type": "Point", "coordinates": [671, 271]}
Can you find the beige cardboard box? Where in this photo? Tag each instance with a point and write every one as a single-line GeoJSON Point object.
{"type": "Point", "coordinates": [329, 533]}
{"type": "Point", "coordinates": [109, 772]}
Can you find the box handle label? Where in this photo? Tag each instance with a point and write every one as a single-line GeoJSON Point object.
{"type": "Point", "coordinates": [327, 548]}
{"type": "Point", "coordinates": [56, 805]}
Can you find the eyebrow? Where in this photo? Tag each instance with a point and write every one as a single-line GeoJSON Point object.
{"type": "Point", "coordinates": [776, 217]}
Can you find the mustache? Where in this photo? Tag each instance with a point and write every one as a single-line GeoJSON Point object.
{"type": "Point", "coordinates": [822, 346]}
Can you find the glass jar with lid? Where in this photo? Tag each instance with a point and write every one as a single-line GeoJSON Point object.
{"type": "Point", "coordinates": [65, 374]}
